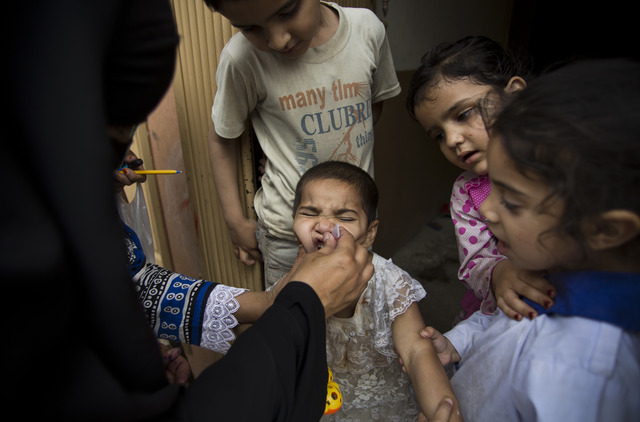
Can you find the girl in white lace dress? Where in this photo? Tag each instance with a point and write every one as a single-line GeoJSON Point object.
{"type": "Point", "coordinates": [365, 340]}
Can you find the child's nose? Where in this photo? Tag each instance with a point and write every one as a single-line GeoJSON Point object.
{"type": "Point", "coordinates": [454, 138]}
{"type": "Point", "coordinates": [278, 37]}
{"type": "Point", "coordinates": [487, 209]}
{"type": "Point", "coordinates": [324, 224]}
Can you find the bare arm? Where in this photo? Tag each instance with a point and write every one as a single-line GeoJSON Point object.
{"type": "Point", "coordinates": [222, 152]}
{"type": "Point", "coordinates": [423, 366]}
{"type": "Point", "coordinates": [252, 305]}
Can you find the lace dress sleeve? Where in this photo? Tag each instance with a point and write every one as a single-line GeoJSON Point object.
{"type": "Point", "coordinates": [396, 291]}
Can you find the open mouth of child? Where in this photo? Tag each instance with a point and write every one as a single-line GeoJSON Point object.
{"type": "Point", "coordinates": [469, 157]}
{"type": "Point", "coordinates": [335, 233]}
{"type": "Point", "coordinates": [503, 247]}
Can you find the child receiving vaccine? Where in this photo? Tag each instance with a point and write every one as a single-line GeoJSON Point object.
{"type": "Point", "coordinates": [444, 96]}
{"type": "Point", "coordinates": [563, 161]}
{"type": "Point", "coordinates": [365, 339]}
{"type": "Point", "coordinates": [312, 77]}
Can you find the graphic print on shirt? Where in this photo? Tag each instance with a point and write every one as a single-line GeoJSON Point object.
{"type": "Point", "coordinates": [339, 120]}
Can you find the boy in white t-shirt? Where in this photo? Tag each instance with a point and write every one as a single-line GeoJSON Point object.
{"type": "Point", "coordinates": [312, 77]}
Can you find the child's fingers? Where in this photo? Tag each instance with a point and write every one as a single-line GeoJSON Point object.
{"type": "Point", "coordinates": [512, 306]}
{"type": "Point", "coordinates": [442, 346]}
{"type": "Point", "coordinates": [402, 365]}
{"type": "Point", "coordinates": [533, 287]}
{"type": "Point", "coordinates": [244, 256]}
{"type": "Point", "coordinates": [535, 295]}
{"type": "Point", "coordinates": [536, 287]}
{"type": "Point", "coordinates": [427, 332]}
{"type": "Point", "coordinates": [443, 411]}
{"type": "Point", "coordinates": [529, 285]}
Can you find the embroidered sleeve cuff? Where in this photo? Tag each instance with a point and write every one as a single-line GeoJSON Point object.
{"type": "Point", "coordinates": [218, 321]}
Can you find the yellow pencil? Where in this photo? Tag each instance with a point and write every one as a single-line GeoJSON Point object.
{"type": "Point", "coordinates": [157, 171]}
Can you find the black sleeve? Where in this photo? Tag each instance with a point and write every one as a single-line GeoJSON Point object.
{"type": "Point", "coordinates": [276, 370]}
{"type": "Point", "coordinates": [81, 347]}
{"type": "Point", "coordinates": [79, 336]}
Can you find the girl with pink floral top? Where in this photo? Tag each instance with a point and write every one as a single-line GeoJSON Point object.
{"type": "Point", "coordinates": [478, 253]}
{"type": "Point", "coordinates": [445, 96]}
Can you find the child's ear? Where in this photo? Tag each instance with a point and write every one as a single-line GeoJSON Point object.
{"type": "Point", "coordinates": [515, 84]}
{"type": "Point", "coordinates": [372, 231]}
{"type": "Point", "coordinates": [613, 228]}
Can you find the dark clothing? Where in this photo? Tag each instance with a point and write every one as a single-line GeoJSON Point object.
{"type": "Point", "coordinates": [79, 346]}
{"type": "Point", "coordinates": [277, 372]}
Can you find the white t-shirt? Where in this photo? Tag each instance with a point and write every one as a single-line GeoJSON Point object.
{"type": "Point", "coordinates": [306, 111]}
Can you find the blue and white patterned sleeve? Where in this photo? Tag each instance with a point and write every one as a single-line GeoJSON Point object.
{"type": "Point", "coordinates": [181, 308]}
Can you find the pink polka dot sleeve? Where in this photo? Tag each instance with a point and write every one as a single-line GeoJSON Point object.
{"type": "Point", "coordinates": [476, 249]}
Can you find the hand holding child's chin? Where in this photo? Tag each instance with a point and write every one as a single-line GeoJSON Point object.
{"type": "Point", "coordinates": [338, 272]}
{"type": "Point", "coordinates": [330, 242]}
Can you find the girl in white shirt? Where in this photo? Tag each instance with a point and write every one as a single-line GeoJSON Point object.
{"type": "Point", "coordinates": [563, 161]}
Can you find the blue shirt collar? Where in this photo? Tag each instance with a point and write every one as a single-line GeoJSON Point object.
{"type": "Point", "coordinates": [611, 297]}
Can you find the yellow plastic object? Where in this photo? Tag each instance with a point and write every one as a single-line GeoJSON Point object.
{"type": "Point", "coordinates": [334, 396]}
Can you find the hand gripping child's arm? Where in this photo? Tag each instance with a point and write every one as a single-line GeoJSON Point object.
{"type": "Point", "coordinates": [421, 363]}
{"type": "Point", "coordinates": [442, 346]}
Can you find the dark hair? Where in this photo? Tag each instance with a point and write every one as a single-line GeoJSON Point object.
{"type": "Point", "coordinates": [479, 58]}
{"type": "Point", "coordinates": [137, 75]}
{"type": "Point", "coordinates": [213, 4]}
{"type": "Point", "coordinates": [345, 172]}
{"type": "Point", "coordinates": [577, 130]}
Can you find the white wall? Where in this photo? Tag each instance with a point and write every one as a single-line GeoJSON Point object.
{"type": "Point", "coordinates": [415, 26]}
